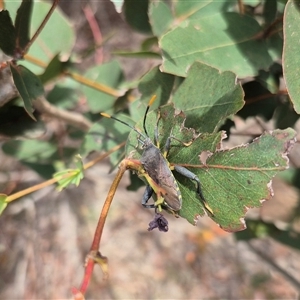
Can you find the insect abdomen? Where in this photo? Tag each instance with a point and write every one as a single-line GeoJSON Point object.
{"type": "Point", "coordinates": [157, 167]}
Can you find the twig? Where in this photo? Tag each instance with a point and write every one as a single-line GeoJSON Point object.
{"type": "Point", "coordinates": [276, 267]}
{"type": "Point", "coordinates": [72, 118]}
{"type": "Point", "coordinates": [51, 181]}
{"type": "Point", "coordinates": [55, 3]}
{"type": "Point", "coordinates": [89, 14]}
{"type": "Point", "coordinates": [241, 7]}
{"type": "Point", "coordinates": [98, 233]}
{"type": "Point", "coordinates": [96, 85]}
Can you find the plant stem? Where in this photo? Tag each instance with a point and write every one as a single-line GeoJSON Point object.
{"type": "Point", "coordinates": [95, 85]}
{"type": "Point", "coordinates": [54, 180]}
{"type": "Point", "coordinates": [292, 280]}
{"type": "Point", "coordinates": [98, 233]}
{"type": "Point", "coordinates": [55, 3]}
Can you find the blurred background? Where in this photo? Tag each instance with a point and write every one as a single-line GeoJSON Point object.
{"type": "Point", "coordinates": [44, 237]}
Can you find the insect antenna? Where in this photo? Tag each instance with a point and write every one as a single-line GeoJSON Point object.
{"type": "Point", "coordinates": [128, 125]}
{"type": "Point", "coordinates": [146, 112]}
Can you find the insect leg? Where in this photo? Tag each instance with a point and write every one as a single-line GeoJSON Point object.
{"type": "Point", "coordinates": [167, 147]}
{"type": "Point", "coordinates": [168, 144]}
{"type": "Point", "coordinates": [190, 175]}
{"type": "Point", "coordinates": [147, 195]}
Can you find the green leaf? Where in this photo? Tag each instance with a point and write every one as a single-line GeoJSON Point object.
{"type": "Point", "coordinates": [156, 83]}
{"type": "Point", "coordinates": [275, 45]}
{"type": "Point", "coordinates": [70, 176]}
{"type": "Point", "coordinates": [148, 43]}
{"type": "Point", "coordinates": [104, 135]}
{"type": "Point", "coordinates": [56, 37]}
{"type": "Point", "coordinates": [7, 34]}
{"type": "Point", "coordinates": [28, 85]}
{"type": "Point", "coordinates": [136, 14]}
{"type": "Point", "coordinates": [64, 94]}
{"type": "Point", "coordinates": [67, 177]}
{"type": "Point", "coordinates": [226, 41]}
{"type": "Point", "coordinates": [41, 156]}
{"type": "Point", "coordinates": [54, 69]}
{"type": "Point", "coordinates": [161, 18]}
{"type": "Point", "coordinates": [30, 150]}
{"type": "Point", "coordinates": [208, 97]}
{"type": "Point", "coordinates": [239, 178]}
{"type": "Point", "coordinates": [138, 54]}
{"type": "Point", "coordinates": [185, 9]}
{"type": "Point", "coordinates": [3, 203]}
{"type": "Point", "coordinates": [270, 11]}
{"type": "Point", "coordinates": [109, 74]}
{"type": "Point", "coordinates": [291, 57]}
{"type": "Point", "coordinates": [22, 24]}
{"type": "Point", "coordinates": [205, 94]}
{"type": "Point", "coordinates": [45, 170]}
{"type": "Point", "coordinates": [233, 180]}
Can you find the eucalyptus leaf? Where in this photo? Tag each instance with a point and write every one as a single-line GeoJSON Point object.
{"type": "Point", "coordinates": [31, 151]}
{"type": "Point", "coordinates": [156, 83]}
{"type": "Point", "coordinates": [226, 41]}
{"type": "Point", "coordinates": [28, 85]}
{"type": "Point", "coordinates": [22, 24]}
{"type": "Point", "coordinates": [291, 57]}
{"type": "Point", "coordinates": [136, 14]}
{"type": "Point", "coordinates": [208, 97]}
{"type": "Point", "coordinates": [7, 34]}
{"type": "Point", "coordinates": [56, 37]}
{"type": "Point", "coordinates": [109, 74]}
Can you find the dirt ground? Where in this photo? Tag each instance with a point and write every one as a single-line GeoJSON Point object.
{"type": "Point", "coordinates": [45, 237]}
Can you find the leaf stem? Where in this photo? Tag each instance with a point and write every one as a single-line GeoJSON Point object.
{"type": "Point", "coordinates": [54, 180]}
{"type": "Point", "coordinates": [90, 17]}
{"type": "Point", "coordinates": [99, 229]}
{"type": "Point", "coordinates": [47, 17]}
{"type": "Point", "coordinates": [95, 85]}
{"type": "Point", "coordinates": [73, 118]}
{"type": "Point", "coordinates": [223, 167]}
{"type": "Point", "coordinates": [35, 61]}
{"type": "Point", "coordinates": [32, 189]}
{"type": "Point", "coordinates": [81, 79]}
{"type": "Point", "coordinates": [104, 155]}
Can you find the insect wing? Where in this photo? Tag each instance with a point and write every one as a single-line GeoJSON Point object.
{"type": "Point", "coordinates": [158, 169]}
{"type": "Point", "coordinates": [168, 182]}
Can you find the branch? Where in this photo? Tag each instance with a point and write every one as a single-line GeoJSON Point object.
{"type": "Point", "coordinates": [94, 255]}
{"type": "Point", "coordinates": [75, 119]}
{"type": "Point", "coordinates": [292, 280]}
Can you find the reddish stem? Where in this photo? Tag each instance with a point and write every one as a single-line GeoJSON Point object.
{"type": "Point", "coordinates": [89, 14]}
{"type": "Point", "coordinates": [98, 233]}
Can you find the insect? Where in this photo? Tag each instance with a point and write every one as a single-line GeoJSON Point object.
{"type": "Point", "coordinates": [157, 170]}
